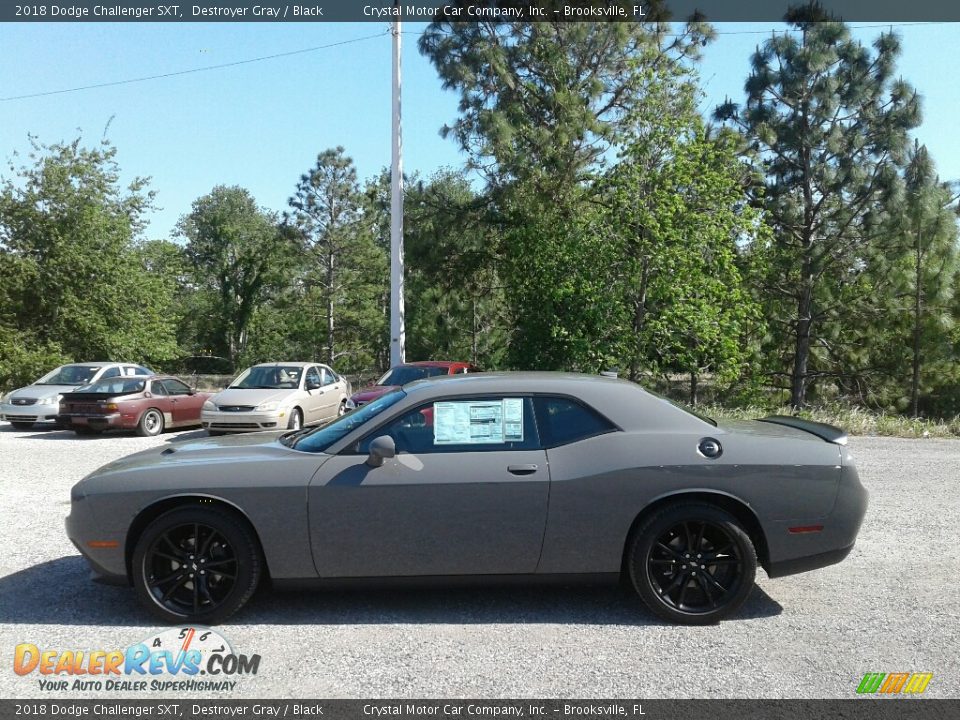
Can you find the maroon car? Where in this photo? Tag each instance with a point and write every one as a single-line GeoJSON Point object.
{"type": "Point", "coordinates": [145, 404]}
{"type": "Point", "coordinates": [405, 373]}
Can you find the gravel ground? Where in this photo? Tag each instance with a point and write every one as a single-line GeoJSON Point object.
{"type": "Point", "coordinates": [892, 606]}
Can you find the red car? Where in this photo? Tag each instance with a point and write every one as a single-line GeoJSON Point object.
{"type": "Point", "coordinates": [406, 373]}
{"type": "Point", "coordinates": [145, 404]}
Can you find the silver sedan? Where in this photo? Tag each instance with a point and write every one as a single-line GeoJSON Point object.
{"type": "Point", "coordinates": [537, 476]}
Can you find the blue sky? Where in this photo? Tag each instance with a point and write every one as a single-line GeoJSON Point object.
{"type": "Point", "coordinates": [261, 125]}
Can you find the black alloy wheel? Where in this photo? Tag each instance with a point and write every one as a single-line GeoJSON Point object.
{"type": "Point", "coordinates": [693, 563]}
{"type": "Point", "coordinates": [196, 564]}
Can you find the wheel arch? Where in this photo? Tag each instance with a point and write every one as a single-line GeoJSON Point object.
{"type": "Point", "coordinates": [732, 504]}
{"type": "Point", "coordinates": [157, 508]}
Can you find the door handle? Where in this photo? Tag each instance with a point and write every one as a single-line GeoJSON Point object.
{"type": "Point", "coordinates": [522, 469]}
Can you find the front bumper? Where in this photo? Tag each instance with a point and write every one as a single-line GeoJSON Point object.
{"type": "Point", "coordinates": [107, 564]}
{"type": "Point", "coordinates": [251, 421]}
{"type": "Point", "coordinates": [29, 413]}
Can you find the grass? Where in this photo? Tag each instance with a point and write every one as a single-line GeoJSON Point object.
{"type": "Point", "coordinates": [856, 421]}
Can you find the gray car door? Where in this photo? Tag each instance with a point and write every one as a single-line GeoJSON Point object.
{"type": "Point", "coordinates": [466, 494]}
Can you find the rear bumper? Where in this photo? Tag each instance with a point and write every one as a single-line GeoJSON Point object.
{"type": "Point", "coordinates": [98, 422]}
{"type": "Point", "coordinates": [792, 552]}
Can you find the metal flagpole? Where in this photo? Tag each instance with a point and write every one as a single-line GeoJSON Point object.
{"type": "Point", "coordinates": [397, 340]}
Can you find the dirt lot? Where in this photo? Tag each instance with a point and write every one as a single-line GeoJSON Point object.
{"type": "Point", "coordinates": [892, 606]}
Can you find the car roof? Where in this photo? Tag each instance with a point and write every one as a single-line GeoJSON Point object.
{"type": "Point", "coordinates": [623, 402]}
{"type": "Point", "coordinates": [433, 363]}
{"type": "Point", "coordinates": [291, 363]}
{"type": "Point", "coordinates": [102, 363]}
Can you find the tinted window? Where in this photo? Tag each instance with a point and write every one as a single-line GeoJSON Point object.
{"type": "Point", "coordinates": [175, 387]}
{"type": "Point", "coordinates": [118, 386]}
{"type": "Point", "coordinates": [321, 438]}
{"type": "Point", "coordinates": [403, 374]}
{"type": "Point", "coordinates": [462, 425]}
{"type": "Point", "coordinates": [562, 421]}
{"type": "Point", "coordinates": [157, 388]}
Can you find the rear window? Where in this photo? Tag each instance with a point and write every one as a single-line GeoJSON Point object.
{"type": "Point", "coordinates": [115, 386]}
{"type": "Point", "coordinates": [562, 421]}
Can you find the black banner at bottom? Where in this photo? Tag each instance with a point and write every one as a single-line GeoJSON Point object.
{"type": "Point", "coordinates": [854, 709]}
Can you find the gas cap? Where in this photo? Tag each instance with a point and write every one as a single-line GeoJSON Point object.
{"type": "Point", "coordinates": [710, 448]}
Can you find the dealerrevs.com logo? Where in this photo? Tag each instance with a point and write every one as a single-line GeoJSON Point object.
{"type": "Point", "coordinates": [894, 683]}
{"type": "Point", "coordinates": [180, 659]}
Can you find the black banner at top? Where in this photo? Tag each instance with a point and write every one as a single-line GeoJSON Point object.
{"type": "Point", "coordinates": [893, 11]}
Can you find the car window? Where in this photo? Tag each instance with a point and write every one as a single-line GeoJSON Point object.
{"type": "Point", "coordinates": [313, 376]}
{"type": "Point", "coordinates": [329, 377]}
{"type": "Point", "coordinates": [175, 387]}
{"type": "Point", "coordinates": [110, 372]}
{"type": "Point", "coordinates": [70, 375]}
{"type": "Point", "coordinates": [321, 438]}
{"type": "Point", "coordinates": [269, 377]}
{"type": "Point", "coordinates": [563, 420]}
{"type": "Point", "coordinates": [119, 386]}
{"type": "Point", "coordinates": [157, 388]}
{"type": "Point", "coordinates": [462, 425]}
{"type": "Point", "coordinates": [403, 374]}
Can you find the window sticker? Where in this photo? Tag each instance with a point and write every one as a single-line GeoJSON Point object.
{"type": "Point", "coordinates": [478, 422]}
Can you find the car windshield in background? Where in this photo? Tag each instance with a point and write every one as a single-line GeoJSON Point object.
{"type": "Point", "coordinates": [114, 386]}
{"type": "Point", "coordinates": [404, 375]}
{"type": "Point", "coordinates": [69, 375]}
{"type": "Point", "coordinates": [272, 377]}
{"type": "Point", "coordinates": [323, 437]}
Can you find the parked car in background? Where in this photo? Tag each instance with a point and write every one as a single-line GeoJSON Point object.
{"type": "Point", "coordinates": [148, 405]}
{"type": "Point", "coordinates": [40, 402]}
{"type": "Point", "coordinates": [277, 395]}
{"type": "Point", "coordinates": [405, 373]}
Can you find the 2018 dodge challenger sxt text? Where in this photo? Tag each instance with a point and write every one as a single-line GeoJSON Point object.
{"type": "Point", "coordinates": [512, 474]}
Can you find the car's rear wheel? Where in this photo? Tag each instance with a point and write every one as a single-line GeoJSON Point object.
{"type": "Point", "coordinates": [342, 410]}
{"type": "Point", "coordinates": [151, 423]}
{"type": "Point", "coordinates": [197, 565]}
{"type": "Point", "coordinates": [296, 420]}
{"type": "Point", "coordinates": [692, 563]}
{"type": "Point", "coordinates": [22, 425]}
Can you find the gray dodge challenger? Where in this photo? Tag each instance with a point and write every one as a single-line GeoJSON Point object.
{"type": "Point", "coordinates": [496, 476]}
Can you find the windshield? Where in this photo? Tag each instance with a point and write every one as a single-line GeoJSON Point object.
{"type": "Point", "coordinates": [69, 375]}
{"type": "Point", "coordinates": [268, 377]}
{"type": "Point", "coordinates": [408, 373]}
{"type": "Point", "coordinates": [323, 437]}
{"type": "Point", "coordinates": [115, 386]}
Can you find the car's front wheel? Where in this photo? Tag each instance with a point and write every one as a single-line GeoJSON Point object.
{"type": "Point", "coordinates": [196, 564]}
{"type": "Point", "coordinates": [692, 563]}
{"type": "Point", "coordinates": [296, 420]}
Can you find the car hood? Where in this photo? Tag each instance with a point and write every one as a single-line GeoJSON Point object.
{"type": "Point", "coordinates": [201, 450]}
{"type": "Point", "coordinates": [40, 392]}
{"type": "Point", "coordinates": [239, 396]}
{"type": "Point", "coordinates": [372, 392]}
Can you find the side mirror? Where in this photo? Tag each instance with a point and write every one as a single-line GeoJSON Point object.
{"type": "Point", "coordinates": [381, 448]}
{"type": "Point", "coordinates": [313, 385]}
{"type": "Point", "coordinates": [191, 391]}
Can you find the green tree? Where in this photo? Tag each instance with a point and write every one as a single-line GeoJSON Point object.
{"type": "Point", "coordinates": [74, 283]}
{"type": "Point", "coordinates": [677, 212]}
{"type": "Point", "coordinates": [831, 121]}
{"type": "Point", "coordinates": [238, 253]}
{"type": "Point", "coordinates": [346, 270]}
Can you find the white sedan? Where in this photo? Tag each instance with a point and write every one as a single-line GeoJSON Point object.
{"type": "Point", "coordinates": [279, 395]}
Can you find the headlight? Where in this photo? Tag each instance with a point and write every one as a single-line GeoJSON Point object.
{"type": "Point", "coordinates": [350, 404]}
{"type": "Point", "coordinates": [51, 400]}
{"type": "Point", "coordinates": [267, 406]}
{"type": "Point", "coordinates": [207, 405]}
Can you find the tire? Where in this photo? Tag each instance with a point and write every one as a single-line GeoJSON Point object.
{"type": "Point", "coordinates": [185, 593]}
{"type": "Point", "coordinates": [342, 410]}
{"type": "Point", "coordinates": [659, 562]}
{"type": "Point", "coordinates": [21, 425]}
{"type": "Point", "coordinates": [296, 419]}
{"type": "Point", "coordinates": [151, 423]}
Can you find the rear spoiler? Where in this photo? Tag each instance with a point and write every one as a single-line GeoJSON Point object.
{"type": "Point", "coordinates": [821, 430]}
